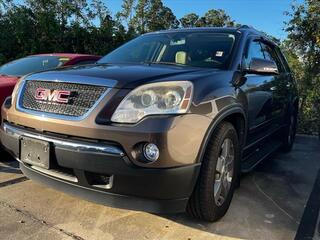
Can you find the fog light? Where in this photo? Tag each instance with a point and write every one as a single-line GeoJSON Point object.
{"type": "Point", "coordinates": [151, 152]}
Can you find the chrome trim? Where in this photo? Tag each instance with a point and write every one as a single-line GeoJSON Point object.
{"type": "Point", "coordinates": [75, 146]}
{"type": "Point", "coordinates": [20, 108]}
{"type": "Point", "coordinates": [56, 174]}
{"type": "Point", "coordinates": [66, 78]}
{"type": "Point", "coordinates": [107, 186]}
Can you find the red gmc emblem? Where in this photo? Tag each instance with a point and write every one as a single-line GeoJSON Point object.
{"type": "Point", "coordinates": [58, 96]}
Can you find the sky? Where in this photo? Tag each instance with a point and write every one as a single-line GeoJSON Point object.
{"type": "Point", "coordinates": [265, 15]}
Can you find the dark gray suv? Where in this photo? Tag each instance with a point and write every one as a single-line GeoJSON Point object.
{"type": "Point", "coordinates": [165, 123]}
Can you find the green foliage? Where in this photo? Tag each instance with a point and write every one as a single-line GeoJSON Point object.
{"type": "Point", "coordinates": [160, 17]}
{"type": "Point", "coordinates": [303, 53]}
{"type": "Point", "coordinates": [83, 26]}
{"type": "Point", "coordinates": [152, 15]}
{"type": "Point", "coordinates": [139, 21]}
{"type": "Point", "coordinates": [217, 18]}
{"type": "Point", "coordinates": [212, 18]}
{"type": "Point", "coordinates": [39, 26]}
{"type": "Point", "coordinates": [126, 12]}
{"type": "Point", "coordinates": [189, 20]}
{"type": "Point", "coordinates": [4, 4]}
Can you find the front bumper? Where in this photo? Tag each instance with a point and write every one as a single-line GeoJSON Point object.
{"type": "Point", "coordinates": [80, 163]}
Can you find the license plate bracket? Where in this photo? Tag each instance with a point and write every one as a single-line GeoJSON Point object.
{"type": "Point", "coordinates": [35, 152]}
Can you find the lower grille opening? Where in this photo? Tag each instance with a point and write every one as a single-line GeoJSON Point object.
{"type": "Point", "coordinates": [99, 180]}
{"type": "Point", "coordinates": [60, 172]}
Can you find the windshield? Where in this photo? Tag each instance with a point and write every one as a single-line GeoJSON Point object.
{"type": "Point", "coordinates": [208, 50]}
{"type": "Point", "coordinates": [31, 64]}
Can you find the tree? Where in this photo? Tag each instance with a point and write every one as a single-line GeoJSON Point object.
{"type": "Point", "coordinates": [139, 21]}
{"type": "Point", "coordinates": [64, 10]}
{"type": "Point", "coordinates": [189, 20]}
{"type": "Point", "coordinates": [17, 38]}
{"type": "Point", "coordinates": [212, 18]}
{"type": "Point", "coordinates": [160, 17]}
{"type": "Point", "coordinates": [99, 10]}
{"type": "Point", "coordinates": [303, 38]}
{"type": "Point", "coordinates": [126, 13]}
{"type": "Point", "coordinates": [152, 15]}
{"type": "Point", "coordinates": [217, 18]}
{"type": "Point", "coordinates": [5, 4]}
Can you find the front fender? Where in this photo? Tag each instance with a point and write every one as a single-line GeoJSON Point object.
{"type": "Point", "coordinates": [225, 114]}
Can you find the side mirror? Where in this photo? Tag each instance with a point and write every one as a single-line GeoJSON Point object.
{"type": "Point", "coordinates": [262, 66]}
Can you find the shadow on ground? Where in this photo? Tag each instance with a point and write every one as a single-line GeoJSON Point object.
{"type": "Point", "coordinates": [271, 199]}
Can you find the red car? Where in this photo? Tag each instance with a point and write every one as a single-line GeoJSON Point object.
{"type": "Point", "coordinates": [12, 71]}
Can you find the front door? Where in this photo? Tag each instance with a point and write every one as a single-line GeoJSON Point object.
{"type": "Point", "coordinates": [259, 90]}
{"type": "Point", "coordinates": [280, 88]}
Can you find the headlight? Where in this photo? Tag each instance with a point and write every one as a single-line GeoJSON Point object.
{"type": "Point", "coordinates": [153, 99]}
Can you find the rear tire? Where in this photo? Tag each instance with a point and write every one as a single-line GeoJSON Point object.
{"type": "Point", "coordinates": [289, 133]}
{"type": "Point", "coordinates": [218, 177]}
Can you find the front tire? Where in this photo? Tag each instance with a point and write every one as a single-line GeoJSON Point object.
{"type": "Point", "coordinates": [219, 174]}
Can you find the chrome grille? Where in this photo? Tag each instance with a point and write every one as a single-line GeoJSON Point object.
{"type": "Point", "coordinates": [82, 98]}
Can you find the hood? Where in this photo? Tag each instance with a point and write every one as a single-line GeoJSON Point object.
{"type": "Point", "coordinates": [121, 75]}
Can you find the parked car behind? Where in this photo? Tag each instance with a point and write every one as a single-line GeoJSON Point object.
{"type": "Point", "coordinates": [12, 71]}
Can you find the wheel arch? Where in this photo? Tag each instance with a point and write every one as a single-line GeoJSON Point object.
{"type": "Point", "coordinates": [236, 116]}
{"type": "Point", "coordinates": [293, 107]}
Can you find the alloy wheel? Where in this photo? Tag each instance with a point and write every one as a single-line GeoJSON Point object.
{"type": "Point", "coordinates": [224, 172]}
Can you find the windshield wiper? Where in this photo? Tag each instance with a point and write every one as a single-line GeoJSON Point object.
{"type": "Point", "coordinates": [163, 63]}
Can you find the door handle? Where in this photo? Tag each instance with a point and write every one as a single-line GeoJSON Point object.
{"type": "Point", "coordinates": [273, 88]}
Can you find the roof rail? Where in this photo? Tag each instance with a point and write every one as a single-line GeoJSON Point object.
{"type": "Point", "coordinates": [246, 27]}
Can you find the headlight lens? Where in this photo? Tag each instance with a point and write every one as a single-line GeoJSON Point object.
{"type": "Point", "coordinates": [152, 99]}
